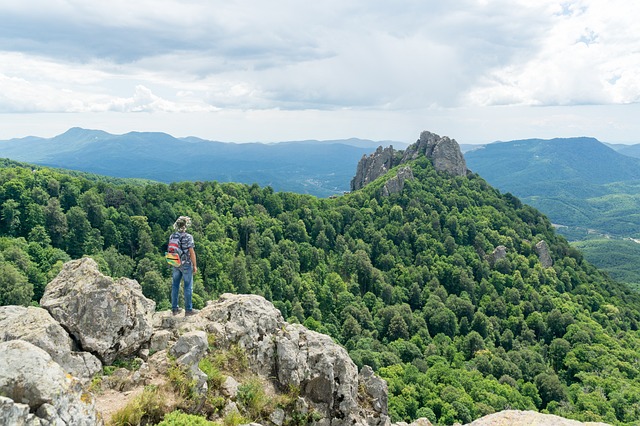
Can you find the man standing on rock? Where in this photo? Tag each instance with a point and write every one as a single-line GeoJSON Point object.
{"type": "Point", "coordinates": [187, 268]}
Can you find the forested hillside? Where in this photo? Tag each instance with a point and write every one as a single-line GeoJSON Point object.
{"type": "Point", "coordinates": [406, 283]}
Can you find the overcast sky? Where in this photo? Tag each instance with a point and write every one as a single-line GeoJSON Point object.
{"type": "Point", "coordinates": [477, 71]}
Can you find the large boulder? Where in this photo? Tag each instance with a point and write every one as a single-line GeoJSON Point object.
{"type": "Point", "coordinates": [36, 326]}
{"type": "Point", "coordinates": [29, 377]}
{"type": "Point", "coordinates": [249, 321]}
{"type": "Point", "coordinates": [106, 317]}
{"type": "Point", "coordinates": [321, 369]}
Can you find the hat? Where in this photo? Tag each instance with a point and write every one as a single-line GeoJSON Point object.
{"type": "Point", "coordinates": [182, 223]}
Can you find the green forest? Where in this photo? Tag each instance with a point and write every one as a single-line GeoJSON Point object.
{"type": "Point", "coordinates": [406, 282]}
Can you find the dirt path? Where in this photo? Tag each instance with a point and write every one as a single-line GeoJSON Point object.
{"type": "Point", "coordinates": [111, 401]}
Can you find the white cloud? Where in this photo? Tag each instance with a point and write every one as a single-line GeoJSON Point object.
{"type": "Point", "coordinates": [143, 100]}
{"type": "Point", "coordinates": [590, 56]}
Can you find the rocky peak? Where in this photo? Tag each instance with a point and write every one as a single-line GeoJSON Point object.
{"type": "Point", "coordinates": [443, 152]}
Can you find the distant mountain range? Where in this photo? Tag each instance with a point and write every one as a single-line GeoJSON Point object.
{"type": "Point", "coordinates": [320, 168]}
{"type": "Point", "coordinates": [575, 181]}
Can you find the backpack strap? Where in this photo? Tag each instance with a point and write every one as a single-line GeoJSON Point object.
{"type": "Point", "coordinates": [185, 253]}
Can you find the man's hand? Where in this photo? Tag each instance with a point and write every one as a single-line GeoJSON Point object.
{"type": "Point", "coordinates": [195, 269]}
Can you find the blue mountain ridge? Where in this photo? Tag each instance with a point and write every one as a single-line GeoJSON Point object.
{"type": "Point", "coordinates": [320, 168]}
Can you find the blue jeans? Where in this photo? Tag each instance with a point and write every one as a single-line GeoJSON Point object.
{"type": "Point", "coordinates": [178, 274]}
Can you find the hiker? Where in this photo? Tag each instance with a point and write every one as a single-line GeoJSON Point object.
{"type": "Point", "coordinates": [187, 268]}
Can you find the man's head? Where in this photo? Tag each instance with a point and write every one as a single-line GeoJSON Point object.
{"type": "Point", "coordinates": [182, 223]}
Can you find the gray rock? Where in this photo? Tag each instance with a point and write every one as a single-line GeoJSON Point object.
{"type": "Point", "coordinates": [444, 153]}
{"type": "Point", "coordinates": [322, 370]}
{"type": "Point", "coordinates": [247, 320]}
{"type": "Point", "coordinates": [108, 318]}
{"type": "Point", "coordinates": [527, 418]}
{"type": "Point", "coordinates": [301, 406]}
{"type": "Point", "coordinates": [229, 387]}
{"type": "Point", "coordinates": [159, 363]}
{"type": "Point", "coordinates": [293, 355]}
{"type": "Point", "coordinates": [542, 249]}
{"type": "Point", "coordinates": [28, 375]}
{"type": "Point", "coordinates": [193, 344]}
{"type": "Point", "coordinates": [144, 354]}
{"type": "Point", "coordinates": [230, 407]}
{"type": "Point", "coordinates": [36, 326]}
{"type": "Point", "coordinates": [498, 253]}
{"type": "Point", "coordinates": [375, 388]}
{"type": "Point", "coordinates": [373, 166]}
{"type": "Point", "coordinates": [422, 421]}
{"type": "Point", "coordinates": [160, 340]}
{"type": "Point", "coordinates": [277, 417]}
{"type": "Point", "coordinates": [12, 413]}
{"type": "Point", "coordinates": [190, 348]}
{"type": "Point", "coordinates": [396, 183]}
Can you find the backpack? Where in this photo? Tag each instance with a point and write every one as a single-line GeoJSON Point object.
{"type": "Point", "coordinates": [175, 256]}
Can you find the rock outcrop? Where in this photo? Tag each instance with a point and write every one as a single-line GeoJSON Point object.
{"type": "Point", "coordinates": [498, 253]}
{"type": "Point", "coordinates": [107, 318]}
{"type": "Point", "coordinates": [396, 183]}
{"type": "Point", "coordinates": [87, 311]}
{"type": "Point", "coordinates": [35, 390]}
{"type": "Point", "coordinates": [528, 418]}
{"type": "Point", "coordinates": [443, 152]}
{"type": "Point", "coordinates": [542, 249]}
{"type": "Point", "coordinates": [419, 422]}
{"type": "Point", "coordinates": [36, 326]}
{"type": "Point", "coordinates": [327, 378]}
{"type": "Point", "coordinates": [373, 166]}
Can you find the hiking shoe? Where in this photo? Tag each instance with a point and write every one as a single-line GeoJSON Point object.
{"type": "Point", "coordinates": [175, 312]}
{"type": "Point", "coordinates": [191, 312]}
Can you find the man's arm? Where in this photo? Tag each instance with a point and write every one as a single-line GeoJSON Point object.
{"type": "Point", "coordinates": [192, 255]}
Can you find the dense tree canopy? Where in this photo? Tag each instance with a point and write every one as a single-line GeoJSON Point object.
{"type": "Point", "coordinates": [406, 283]}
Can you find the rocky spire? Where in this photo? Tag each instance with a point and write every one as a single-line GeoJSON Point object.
{"type": "Point", "coordinates": [443, 152]}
